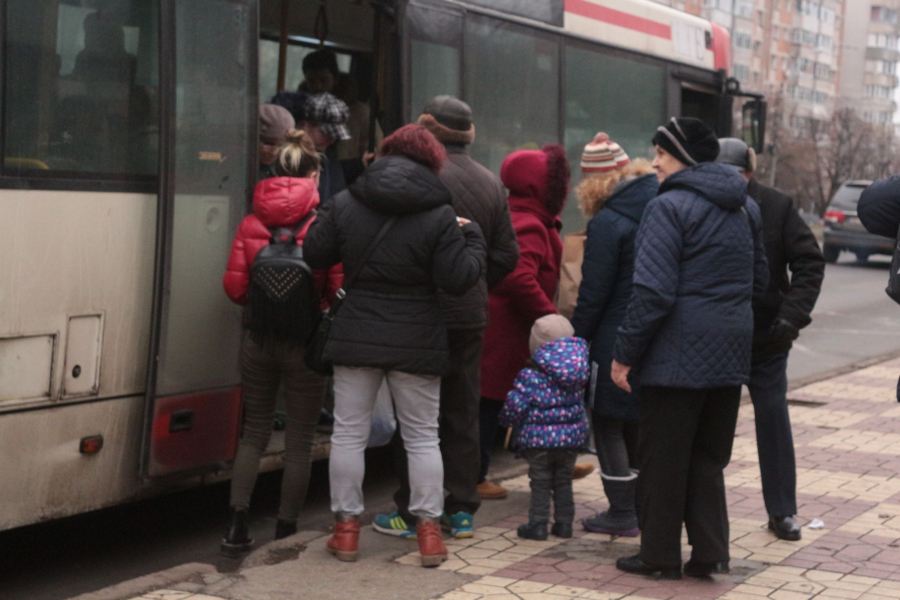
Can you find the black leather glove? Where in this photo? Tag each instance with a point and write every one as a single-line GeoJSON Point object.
{"type": "Point", "coordinates": [783, 331]}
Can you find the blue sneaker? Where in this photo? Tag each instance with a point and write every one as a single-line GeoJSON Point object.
{"type": "Point", "coordinates": [460, 524]}
{"type": "Point", "coordinates": [394, 524]}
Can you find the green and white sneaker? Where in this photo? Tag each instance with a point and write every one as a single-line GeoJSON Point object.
{"type": "Point", "coordinates": [394, 524]}
{"type": "Point", "coordinates": [460, 525]}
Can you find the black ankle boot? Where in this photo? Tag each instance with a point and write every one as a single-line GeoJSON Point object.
{"type": "Point", "coordinates": [701, 569]}
{"type": "Point", "coordinates": [237, 539]}
{"type": "Point", "coordinates": [284, 529]}
{"type": "Point", "coordinates": [533, 531]}
{"type": "Point", "coordinates": [562, 530]}
{"type": "Point", "coordinates": [634, 564]}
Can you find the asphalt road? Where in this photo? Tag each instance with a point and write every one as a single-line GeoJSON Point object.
{"type": "Point", "coordinates": [854, 320]}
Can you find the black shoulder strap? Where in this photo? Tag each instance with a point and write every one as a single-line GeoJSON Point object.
{"type": "Point", "coordinates": [304, 221]}
{"type": "Point", "coordinates": [348, 281]}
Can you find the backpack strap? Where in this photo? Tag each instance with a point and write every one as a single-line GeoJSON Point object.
{"type": "Point", "coordinates": [304, 221]}
{"type": "Point", "coordinates": [349, 280]}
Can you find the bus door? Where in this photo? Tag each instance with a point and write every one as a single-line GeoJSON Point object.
{"type": "Point", "coordinates": [708, 105]}
{"type": "Point", "coordinates": [208, 142]}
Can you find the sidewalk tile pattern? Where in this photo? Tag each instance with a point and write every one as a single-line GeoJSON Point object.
{"type": "Point", "coordinates": [847, 435]}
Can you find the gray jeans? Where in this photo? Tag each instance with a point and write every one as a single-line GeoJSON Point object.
{"type": "Point", "coordinates": [263, 369]}
{"type": "Point", "coordinates": [417, 404]}
{"type": "Point", "coordinates": [550, 472]}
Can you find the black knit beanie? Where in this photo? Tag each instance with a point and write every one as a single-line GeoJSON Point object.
{"type": "Point", "coordinates": [689, 140]}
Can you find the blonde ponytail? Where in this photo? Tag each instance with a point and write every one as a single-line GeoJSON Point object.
{"type": "Point", "coordinates": [297, 157]}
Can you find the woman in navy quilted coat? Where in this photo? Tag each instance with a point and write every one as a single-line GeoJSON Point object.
{"type": "Point", "coordinates": [687, 336]}
{"type": "Point", "coordinates": [614, 193]}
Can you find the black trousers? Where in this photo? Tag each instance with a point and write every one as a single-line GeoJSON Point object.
{"type": "Point", "coordinates": [489, 425]}
{"type": "Point", "coordinates": [774, 440]}
{"type": "Point", "coordinates": [685, 443]}
{"type": "Point", "coordinates": [460, 398]}
{"type": "Point", "coordinates": [550, 473]}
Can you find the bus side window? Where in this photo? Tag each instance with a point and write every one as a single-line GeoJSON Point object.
{"type": "Point", "coordinates": [82, 89]}
{"type": "Point", "coordinates": [512, 85]}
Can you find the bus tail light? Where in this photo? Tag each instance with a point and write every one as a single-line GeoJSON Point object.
{"type": "Point", "coordinates": [835, 216]}
{"type": "Point", "coordinates": [91, 444]}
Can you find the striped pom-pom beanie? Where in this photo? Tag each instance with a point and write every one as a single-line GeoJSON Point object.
{"type": "Point", "coordinates": [603, 155]}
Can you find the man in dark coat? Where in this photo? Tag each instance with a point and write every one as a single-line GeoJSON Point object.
{"type": "Point", "coordinates": [477, 196]}
{"type": "Point", "coordinates": [879, 207]}
{"type": "Point", "coordinates": [778, 318]}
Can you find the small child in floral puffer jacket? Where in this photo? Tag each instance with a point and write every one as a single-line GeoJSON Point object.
{"type": "Point", "coordinates": [547, 404]}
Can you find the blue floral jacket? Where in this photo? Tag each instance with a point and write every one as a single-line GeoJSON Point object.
{"type": "Point", "coordinates": [547, 401]}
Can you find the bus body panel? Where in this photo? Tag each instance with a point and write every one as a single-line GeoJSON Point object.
{"type": "Point", "coordinates": [643, 26]}
{"type": "Point", "coordinates": [74, 254]}
{"type": "Point", "coordinates": [45, 475]}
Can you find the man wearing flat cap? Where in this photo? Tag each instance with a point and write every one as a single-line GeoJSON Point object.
{"type": "Point", "coordinates": [778, 318]}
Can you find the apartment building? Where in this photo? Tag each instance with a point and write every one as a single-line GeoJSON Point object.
{"type": "Point", "coordinates": [869, 59]}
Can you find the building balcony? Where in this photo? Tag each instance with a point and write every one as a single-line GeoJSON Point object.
{"type": "Point", "coordinates": [882, 54]}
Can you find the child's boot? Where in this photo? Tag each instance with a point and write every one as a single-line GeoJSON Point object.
{"type": "Point", "coordinates": [562, 530]}
{"type": "Point", "coordinates": [533, 531]}
{"type": "Point", "coordinates": [621, 518]}
{"type": "Point", "coordinates": [344, 542]}
{"type": "Point", "coordinates": [431, 542]}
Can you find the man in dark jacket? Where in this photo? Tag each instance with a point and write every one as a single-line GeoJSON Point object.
{"type": "Point", "coordinates": [778, 318]}
{"type": "Point", "coordinates": [477, 196]}
{"type": "Point", "coordinates": [879, 207]}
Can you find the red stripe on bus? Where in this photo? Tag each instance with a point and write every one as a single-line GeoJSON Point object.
{"type": "Point", "coordinates": [583, 8]}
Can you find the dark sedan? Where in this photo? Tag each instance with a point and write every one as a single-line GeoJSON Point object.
{"type": "Point", "coordinates": [844, 231]}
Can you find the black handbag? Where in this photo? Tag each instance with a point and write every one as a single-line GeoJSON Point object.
{"type": "Point", "coordinates": [315, 351]}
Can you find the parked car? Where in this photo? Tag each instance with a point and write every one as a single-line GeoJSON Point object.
{"type": "Point", "coordinates": [844, 231]}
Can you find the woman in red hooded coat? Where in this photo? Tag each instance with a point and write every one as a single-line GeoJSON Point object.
{"type": "Point", "coordinates": [283, 201]}
{"type": "Point", "coordinates": [538, 183]}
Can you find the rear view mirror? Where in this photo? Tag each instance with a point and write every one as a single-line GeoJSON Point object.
{"type": "Point", "coordinates": [753, 124]}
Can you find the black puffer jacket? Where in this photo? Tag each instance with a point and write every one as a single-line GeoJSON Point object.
{"type": "Point", "coordinates": [479, 196]}
{"type": "Point", "coordinates": [391, 318]}
{"type": "Point", "coordinates": [789, 243]}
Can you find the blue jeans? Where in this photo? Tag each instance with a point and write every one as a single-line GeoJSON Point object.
{"type": "Point", "coordinates": [774, 440]}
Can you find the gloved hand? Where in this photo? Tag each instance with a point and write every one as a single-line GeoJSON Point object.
{"type": "Point", "coordinates": [783, 331]}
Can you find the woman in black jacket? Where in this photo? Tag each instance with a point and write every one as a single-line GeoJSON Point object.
{"type": "Point", "coordinates": [390, 324]}
{"type": "Point", "coordinates": [614, 193]}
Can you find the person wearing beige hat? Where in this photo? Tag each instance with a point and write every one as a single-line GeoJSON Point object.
{"type": "Point", "coordinates": [274, 123]}
{"type": "Point", "coordinates": [613, 195]}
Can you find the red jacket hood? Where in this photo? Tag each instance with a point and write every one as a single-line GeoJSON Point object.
{"type": "Point", "coordinates": [283, 201]}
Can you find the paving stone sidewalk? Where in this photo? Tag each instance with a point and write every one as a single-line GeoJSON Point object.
{"type": "Point", "coordinates": [847, 434]}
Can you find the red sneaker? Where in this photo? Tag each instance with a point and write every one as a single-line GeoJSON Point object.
{"type": "Point", "coordinates": [431, 543]}
{"type": "Point", "coordinates": [344, 543]}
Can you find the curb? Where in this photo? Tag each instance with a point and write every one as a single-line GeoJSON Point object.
{"type": "Point", "coordinates": [837, 372]}
{"type": "Point", "coordinates": [148, 583]}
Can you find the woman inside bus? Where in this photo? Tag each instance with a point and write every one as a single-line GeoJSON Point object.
{"type": "Point", "coordinates": [538, 183]}
{"type": "Point", "coordinates": [687, 332]}
{"type": "Point", "coordinates": [613, 195]}
{"type": "Point", "coordinates": [284, 201]}
{"type": "Point", "coordinates": [396, 233]}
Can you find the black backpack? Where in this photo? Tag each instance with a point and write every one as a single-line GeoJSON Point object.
{"type": "Point", "coordinates": [283, 300]}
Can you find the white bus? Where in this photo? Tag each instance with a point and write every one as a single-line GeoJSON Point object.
{"type": "Point", "coordinates": [128, 156]}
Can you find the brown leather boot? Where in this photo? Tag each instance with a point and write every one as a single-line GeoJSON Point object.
{"type": "Point", "coordinates": [582, 470]}
{"type": "Point", "coordinates": [431, 542]}
{"type": "Point", "coordinates": [344, 543]}
{"type": "Point", "coordinates": [491, 491]}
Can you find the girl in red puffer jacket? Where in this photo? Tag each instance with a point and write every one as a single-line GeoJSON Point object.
{"type": "Point", "coordinates": [279, 202]}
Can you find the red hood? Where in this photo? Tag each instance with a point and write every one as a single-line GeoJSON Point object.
{"type": "Point", "coordinates": [530, 205]}
{"type": "Point", "coordinates": [283, 201]}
